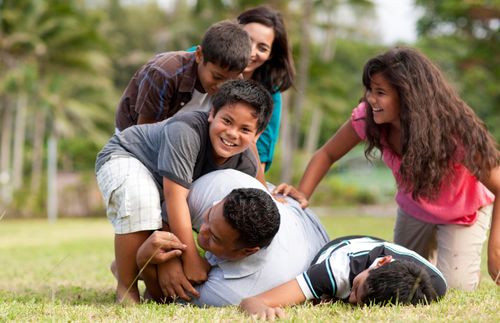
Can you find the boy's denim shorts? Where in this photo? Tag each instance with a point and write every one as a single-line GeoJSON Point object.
{"type": "Point", "coordinates": [131, 195]}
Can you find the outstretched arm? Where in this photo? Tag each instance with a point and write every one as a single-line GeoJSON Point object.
{"type": "Point", "coordinates": [267, 305]}
{"type": "Point", "coordinates": [335, 148]}
{"type": "Point", "coordinates": [493, 184]}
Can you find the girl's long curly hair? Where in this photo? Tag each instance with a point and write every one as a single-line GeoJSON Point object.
{"type": "Point", "coordinates": [437, 127]}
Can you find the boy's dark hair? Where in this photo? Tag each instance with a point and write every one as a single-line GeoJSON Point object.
{"type": "Point", "coordinates": [249, 92]}
{"type": "Point", "coordinates": [227, 45]}
{"type": "Point", "coordinates": [399, 282]}
{"type": "Point", "coordinates": [253, 213]}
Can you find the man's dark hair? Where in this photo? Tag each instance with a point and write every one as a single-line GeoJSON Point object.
{"type": "Point", "coordinates": [399, 282]}
{"type": "Point", "coordinates": [227, 45]}
{"type": "Point", "coordinates": [253, 213]}
{"type": "Point", "coordinates": [249, 92]}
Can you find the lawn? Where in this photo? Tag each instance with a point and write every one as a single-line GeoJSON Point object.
{"type": "Point", "coordinates": [59, 272]}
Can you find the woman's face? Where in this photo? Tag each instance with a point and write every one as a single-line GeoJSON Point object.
{"type": "Point", "coordinates": [262, 41]}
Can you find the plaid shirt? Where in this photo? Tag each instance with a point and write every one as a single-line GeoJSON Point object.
{"type": "Point", "coordinates": [158, 89]}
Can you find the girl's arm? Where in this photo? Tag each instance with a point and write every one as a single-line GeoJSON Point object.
{"type": "Point", "coordinates": [335, 148]}
{"type": "Point", "coordinates": [493, 184]}
{"type": "Point", "coordinates": [267, 305]}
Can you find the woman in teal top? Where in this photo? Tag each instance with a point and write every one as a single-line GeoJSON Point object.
{"type": "Point", "coordinates": [271, 64]}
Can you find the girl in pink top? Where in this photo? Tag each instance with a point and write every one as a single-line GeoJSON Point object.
{"type": "Point", "coordinates": [445, 163]}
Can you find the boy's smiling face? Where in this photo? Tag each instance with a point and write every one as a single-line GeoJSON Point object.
{"type": "Point", "coordinates": [232, 130]}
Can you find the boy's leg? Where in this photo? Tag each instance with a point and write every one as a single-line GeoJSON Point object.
{"type": "Point", "coordinates": [132, 201]}
{"type": "Point", "coordinates": [459, 251]}
{"type": "Point", "coordinates": [126, 246]}
{"type": "Point", "coordinates": [415, 235]}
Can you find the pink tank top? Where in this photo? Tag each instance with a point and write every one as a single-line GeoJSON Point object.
{"type": "Point", "coordinates": [457, 203]}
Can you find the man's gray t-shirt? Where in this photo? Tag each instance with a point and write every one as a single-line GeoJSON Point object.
{"type": "Point", "coordinates": [298, 240]}
{"type": "Point", "coordinates": [178, 148]}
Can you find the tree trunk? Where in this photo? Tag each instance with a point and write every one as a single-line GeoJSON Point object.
{"type": "Point", "coordinates": [5, 150]}
{"type": "Point", "coordinates": [286, 147]}
{"type": "Point", "coordinates": [295, 118]}
{"type": "Point", "coordinates": [327, 54]}
{"type": "Point", "coordinates": [19, 136]}
{"type": "Point", "coordinates": [313, 133]}
{"type": "Point", "coordinates": [37, 161]}
{"type": "Point", "coordinates": [52, 178]}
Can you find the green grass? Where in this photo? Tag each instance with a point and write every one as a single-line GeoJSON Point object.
{"type": "Point", "coordinates": [59, 272]}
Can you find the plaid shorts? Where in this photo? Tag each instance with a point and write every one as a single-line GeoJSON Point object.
{"type": "Point", "coordinates": [131, 195]}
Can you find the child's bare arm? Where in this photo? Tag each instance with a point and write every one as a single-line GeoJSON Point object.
{"type": "Point", "coordinates": [195, 267]}
{"type": "Point", "coordinates": [267, 305]}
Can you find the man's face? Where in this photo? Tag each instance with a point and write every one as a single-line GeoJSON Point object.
{"type": "Point", "coordinates": [218, 236]}
{"type": "Point", "coordinates": [211, 76]}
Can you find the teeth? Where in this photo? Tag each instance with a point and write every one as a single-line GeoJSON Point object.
{"type": "Point", "coordinates": [376, 109]}
{"type": "Point", "coordinates": [225, 142]}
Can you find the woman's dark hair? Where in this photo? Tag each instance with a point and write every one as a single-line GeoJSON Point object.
{"type": "Point", "coordinates": [277, 73]}
{"type": "Point", "coordinates": [438, 129]}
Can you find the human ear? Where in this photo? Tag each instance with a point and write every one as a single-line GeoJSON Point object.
{"type": "Point", "coordinates": [257, 137]}
{"type": "Point", "coordinates": [250, 251]}
{"type": "Point", "coordinates": [383, 261]}
{"type": "Point", "coordinates": [211, 115]}
{"type": "Point", "coordinates": [198, 54]}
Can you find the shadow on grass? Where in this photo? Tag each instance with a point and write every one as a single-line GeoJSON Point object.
{"type": "Point", "coordinates": [69, 295]}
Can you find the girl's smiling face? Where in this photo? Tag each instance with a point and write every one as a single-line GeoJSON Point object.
{"type": "Point", "coordinates": [384, 101]}
{"type": "Point", "coordinates": [262, 42]}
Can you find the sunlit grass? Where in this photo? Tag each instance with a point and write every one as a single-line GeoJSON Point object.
{"type": "Point", "coordinates": [59, 272]}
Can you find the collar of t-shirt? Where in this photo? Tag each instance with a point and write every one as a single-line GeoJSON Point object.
{"type": "Point", "coordinates": [199, 102]}
{"type": "Point", "coordinates": [240, 268]}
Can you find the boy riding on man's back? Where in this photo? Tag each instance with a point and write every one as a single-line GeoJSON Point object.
{"type": "Point", "coordinates": [146, 164]}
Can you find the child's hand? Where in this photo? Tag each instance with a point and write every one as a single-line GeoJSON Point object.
{"type": "Point", "coordinates": [159, 247]}
{"type": "Point", "coordinates": [196, 269]}
{"type": "Point", "coordinates": [288, 190]}
{"type": "Point", "coordinates": [254, 307]}
{"type": "Point", "coordinates": [173, 282]}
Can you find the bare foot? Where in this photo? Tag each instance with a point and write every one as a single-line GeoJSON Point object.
{"type": "Point", "coordinates": [127, 296]}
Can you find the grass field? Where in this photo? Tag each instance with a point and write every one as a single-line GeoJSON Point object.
{"type": "Point", "coordinates": [59, 272]}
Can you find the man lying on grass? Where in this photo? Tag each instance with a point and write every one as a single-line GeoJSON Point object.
{"type": "Point", "coordinates": [236, 219]}
{"type": "Point", "coordinates": [360, 270]}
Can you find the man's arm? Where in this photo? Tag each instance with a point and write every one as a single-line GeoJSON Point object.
{"type": "Point", "coordinates": [195, 267]}
{"type": "Point", "coordinates": [161, 268]}
{"type": "Point", "coordinates": [267, 305]}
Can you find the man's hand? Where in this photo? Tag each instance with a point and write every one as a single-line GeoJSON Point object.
{"type": "Point", "coordinates": [159, 247]}
{"type": "Point", "coordinates": [173, 282]}
{"type": "Point", "coordinates": [254, 307]}
{"type": "Point", "coordinates": [288, 190]}
{"type": "Point", "coordinates": [196, 269]}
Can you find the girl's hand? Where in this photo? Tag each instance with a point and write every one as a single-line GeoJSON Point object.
{"type": "Point", "coordinates": [254, 307]}
{"type": "Point", "coordinates": [288, 190]}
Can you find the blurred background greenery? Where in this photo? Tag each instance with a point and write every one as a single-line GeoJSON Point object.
{"type": "Point", "coordinates": [64, 64]}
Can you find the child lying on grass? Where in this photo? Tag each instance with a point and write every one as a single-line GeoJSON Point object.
{"type": "Point", "coordinates": [360, 270]}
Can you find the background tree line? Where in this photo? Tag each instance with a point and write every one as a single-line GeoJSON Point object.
{"type": "Point", "coordinates": [64, 64]}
